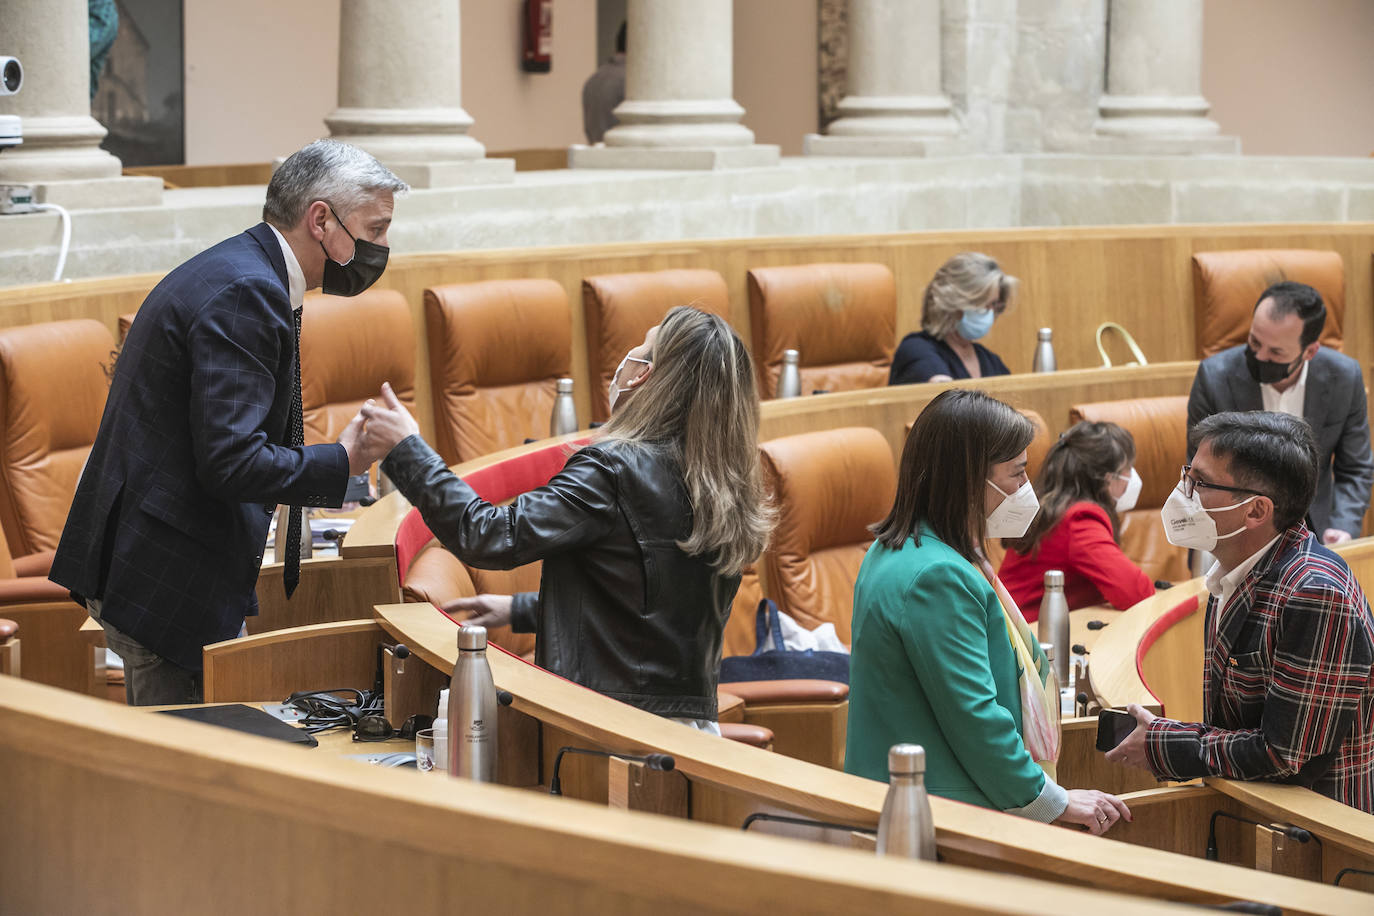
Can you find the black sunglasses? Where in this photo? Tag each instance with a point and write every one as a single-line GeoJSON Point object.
{"type": "Point", "coordinates": [375, 727]}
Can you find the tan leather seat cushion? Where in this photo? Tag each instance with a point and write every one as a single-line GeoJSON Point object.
{"type": "Point", "coordinates": [829, 486]}
{"type": "Point", "coordinates": [621, 308]}
{"type": "Point", "coordinates": [53, 385]}
{"type": "Point", "coordinates": [496, 351]}
{"type": "Point", "coordinates": [1160, 429]}
{"type": "Point", "coordinates": [752, 735]}
{"type": "Point", "coordinates": [437, 576]}
{"type": "Point", "coordinates": [349, 346]}
{"type": "Point", "coordinates": [1227, 286]}
{"type": "Point", "coordinates": [841, 317]}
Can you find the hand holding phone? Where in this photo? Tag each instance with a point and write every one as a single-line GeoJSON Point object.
{"type": "Point", "coordinates": [1113, 727]}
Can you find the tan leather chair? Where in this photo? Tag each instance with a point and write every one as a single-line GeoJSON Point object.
{"type": "Point", "coordinates": [439, 577]}
{"type": "Point", "coordinates": [1160, 429]}
{"type": "Point", "coordinates": [496, 351]}
{"type": "Point", "coordinates": [621, 308]}
{"type": "Point", "coordinates": [1227, 286]}
{"type": "Point", "coordinates": [829, 486]}
{"type": "Point", "coordinates": [740, 637]}
{"type": "Point", "coordinates": [349, 346]}
{"type": "Point", "coordinates": [841, 317]}
{"type": "Point", "coordinates": [53, 385]}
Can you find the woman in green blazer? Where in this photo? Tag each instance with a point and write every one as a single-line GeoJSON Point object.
{"type": "Point", "coordinates": [939, 659]}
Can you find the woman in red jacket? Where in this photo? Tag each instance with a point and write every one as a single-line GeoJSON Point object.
{"type": "Point", "coordinates": [1086, 481]}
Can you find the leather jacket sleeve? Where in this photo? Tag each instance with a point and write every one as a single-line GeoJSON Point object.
{"type": "Point", "coordinates": [577, 507]}
{"type": "Point", "coordinates": [524, 612]}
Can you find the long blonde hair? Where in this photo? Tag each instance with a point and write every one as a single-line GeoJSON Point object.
{"type": "Point", "coordinates": [699, 402]}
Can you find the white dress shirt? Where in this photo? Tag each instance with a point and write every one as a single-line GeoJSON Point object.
{"type": "Point", "coordinates": [295, 277]}
{"type": "Point", "coordinates": [1224, 585]}
{"type": "Point", "coordinates": [1290, 401]}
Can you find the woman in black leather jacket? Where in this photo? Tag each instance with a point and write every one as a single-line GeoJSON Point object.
{"type": "Point", "coordinates": [643, 533]}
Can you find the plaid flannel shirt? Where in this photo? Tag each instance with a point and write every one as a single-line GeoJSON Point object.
{"type": "Point", "coordinates": [1288, 692]}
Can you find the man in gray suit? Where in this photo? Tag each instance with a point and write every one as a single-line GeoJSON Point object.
{"type": "Point", "coordinates": [1283, 368]}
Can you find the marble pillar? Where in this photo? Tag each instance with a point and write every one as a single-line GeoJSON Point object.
{"type": "Point", "coordinates": [400, 92]}
{"type": "Point", "coordinates": [1153, 103]}
{"type": "Point", "coordinates": [61, 154]}
{"type": "Point", "coordinates": [679, 111]}
{"type": "Point", "coordinates": [894, 104]}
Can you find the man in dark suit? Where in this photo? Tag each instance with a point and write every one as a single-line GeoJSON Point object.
{"type": "Point", "coordinates": [202, 433]}
{"type": "Point", "coordinates": [1287, 692]}
{"type": "Point", "coordinates": [1283, 368]}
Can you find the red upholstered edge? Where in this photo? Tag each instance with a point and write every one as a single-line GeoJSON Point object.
{"type": "Point", "coordinates": [1185, 608]}
{"type": "Point", "coordinates": [495, 483]}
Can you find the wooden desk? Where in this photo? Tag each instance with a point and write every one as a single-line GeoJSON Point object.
{"type": "Point", "coordinates": [730, 780]}
{"type": "Point", "coordinates": [108, 809]}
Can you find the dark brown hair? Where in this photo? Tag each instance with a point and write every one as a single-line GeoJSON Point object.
{"type": "Point", "coordinates": [1079, 468]}
{"type": "Point", "coordinates": [946, 461]}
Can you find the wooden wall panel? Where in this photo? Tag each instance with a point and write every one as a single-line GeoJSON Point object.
{"type": "Point", "coordinates": [1072, 279]}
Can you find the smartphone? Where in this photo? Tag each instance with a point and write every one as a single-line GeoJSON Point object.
{"type": "Point", "coordinates": [1113, 727]}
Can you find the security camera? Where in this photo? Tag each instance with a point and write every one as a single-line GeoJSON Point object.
{"type": "Point", "coordinates": [11, 75]}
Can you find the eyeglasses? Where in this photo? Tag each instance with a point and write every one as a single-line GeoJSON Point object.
{"type": "Point", "coordinates": [1190, 485]}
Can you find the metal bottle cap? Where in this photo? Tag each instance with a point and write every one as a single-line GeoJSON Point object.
{"type": "Point", "coordinates": [791, 357]}
{"type": "Point", "coordinates": [565, 386]}
{"type": "Point", "coordinates": [906, 759]}
{"type": "Point", "coordinates": [472, 638]}
{"type": "Point", "coordinates": [1054, 578]}
{"type": "Point", "coordinates": [1046, 334]}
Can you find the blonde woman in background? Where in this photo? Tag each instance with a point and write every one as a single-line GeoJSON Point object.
{"type": "Point", "coordinates": [964, 298]}
{"type": "Point", "coordinates": [643, 533]}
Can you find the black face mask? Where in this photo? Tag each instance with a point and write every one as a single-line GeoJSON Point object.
{"type": "Point", "coordinates": [360, 271]}
{"type": "Point", "coordinates": [1266, 372]}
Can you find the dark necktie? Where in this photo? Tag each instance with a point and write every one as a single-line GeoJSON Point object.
{"type": "Point", "coordinates": [291, 563]}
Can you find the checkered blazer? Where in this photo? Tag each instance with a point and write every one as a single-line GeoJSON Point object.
{"type": "Point", "coordinates": [1287, 688]}
{"type": "Point", "coordinates": [168, 524]}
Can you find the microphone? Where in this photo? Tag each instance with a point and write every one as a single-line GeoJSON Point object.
{"type": "Point", "coordinates": [664, 763]}
{"type": "Point", "coordinates": [1079, 649]}
{"type": "Point", "coordinates": [1294, 833]}
{"type": "Point", "coordinates": [1096, 624]}
{"type": "Point", "coordinates": [505, 697]}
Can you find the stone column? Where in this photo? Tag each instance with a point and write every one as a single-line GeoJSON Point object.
{"type": "Point", "coordinates": [61, 152]}
{"type": "Point", "coordinates": [400, 92]}
{"type": "Point", "coordinates": [1154, 103]}
{"type": "Point", "coordinates": [678, 112]}
{"type": "Point", "coordinates": [895, 103]}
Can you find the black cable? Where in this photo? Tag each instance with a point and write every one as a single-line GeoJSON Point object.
{"type": "Point", "coordinates": [1351, 871]}
{"type": "Point", "coordinates": [802, 822]}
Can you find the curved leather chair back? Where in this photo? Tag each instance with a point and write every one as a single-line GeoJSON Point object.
{"type": "Point", "coordinates": [437, 576]}
{"type": "Point", "coordinates": [829, 486]}
{"type": "Point", "coordinates": [349, 346]}
{"type": "Point", "coordinates": [621, 308]}
{"type": "Point", "coordinates": [126, 321]}
{"type": "Point", "coordinates": [496, 352]}
{"type": "Point", "coordinates": [739, 636]}
{"type": "Point", "coordinates": [53, 385]}
{"type": "Point", "coordinates": [1227, 285]}
{"type": "Point", "coordinates": [1160, 429]}
{"type": "Point", "coordinates": [841, 317]}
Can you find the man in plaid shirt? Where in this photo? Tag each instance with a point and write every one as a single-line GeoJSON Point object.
{"type": "Point", "coordinates": [1289, 641]}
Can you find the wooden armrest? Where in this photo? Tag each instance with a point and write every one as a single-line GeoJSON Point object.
{"type": "Point", "coordinates": [801, 690]}
{"type": "Point", "coordinates": [7, 629]}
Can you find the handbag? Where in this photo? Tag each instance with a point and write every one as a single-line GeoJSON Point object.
{"type": "Point", "coordinates": [779, 664]}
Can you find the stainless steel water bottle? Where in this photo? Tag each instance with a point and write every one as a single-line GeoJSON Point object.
{"type": "Point", "coordinates": [906, 827]}
{"type": "Point", "coordinates": [472, 710]}
{"type": "Point", "coordinates": [1054, 622]}
{"type": "Point", "coordinates": [789, 379]}
{"type": "Point", "coordinates": [1044, 351]}
{"type": "Point", "coordinates": [564, 418]}
{"type": "Point", "coordinates": [283, 522]}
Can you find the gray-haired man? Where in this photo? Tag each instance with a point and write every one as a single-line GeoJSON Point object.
{"type": "Point", "coordinates": [202, 431]}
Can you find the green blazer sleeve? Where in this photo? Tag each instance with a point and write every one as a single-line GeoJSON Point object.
{"type": "Point", "coordinates": [949, 652]}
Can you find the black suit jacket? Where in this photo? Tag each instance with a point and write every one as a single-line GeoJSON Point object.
{"type": "Point", "coordinates": [171, 514]}
{"type": "Point", "coordinates": [1334, 406]}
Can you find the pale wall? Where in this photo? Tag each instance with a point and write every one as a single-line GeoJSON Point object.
{"type": "Point", "coordinates": [775, 70]}
{"type": "Point", "coordinates": [1292, 79]}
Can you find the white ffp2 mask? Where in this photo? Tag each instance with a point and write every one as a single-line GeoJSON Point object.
{"type": "Point", "coordinates": [1187, 523]}
{"type": "Point", "coordinates": [613, 391]}
{"type": "Point", "coordinates": [1126, 501]}
{"type": "Point", "coordinates": [1014, 515]}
